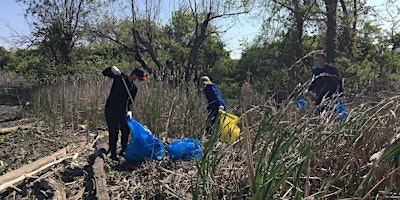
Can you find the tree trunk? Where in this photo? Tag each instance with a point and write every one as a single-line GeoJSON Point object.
{"type": "Point", "coordinates": [138, 55]}
{"type": "Point", "coordinates": [298, 33]}
{"type": "Point", "coordinates": [331, 7]}
{"type": "Point", "coordinates": [355, 17]}
{"type": "Point", "coordinates": [151, 50]}
{"type": "Point", "coordinates": [195, 48]}
{"type": "Point", "coordinates": [345, 42]}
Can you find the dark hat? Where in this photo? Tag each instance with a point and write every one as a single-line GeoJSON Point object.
{"type": "Point", "coordinates": [139, 74]}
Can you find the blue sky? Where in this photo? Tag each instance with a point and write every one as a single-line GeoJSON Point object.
{"type": "Point", "coordinates": [12, 16]}
{"type": "Point", "coordinates": [243, 29]}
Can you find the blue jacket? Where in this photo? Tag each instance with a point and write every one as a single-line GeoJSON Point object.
{"type": "Point", "coordinates": [214, 98]}
{"type": "Point", "coordinates": [326, 82]}
{"type": "Point", "coordinates": [118, 100]}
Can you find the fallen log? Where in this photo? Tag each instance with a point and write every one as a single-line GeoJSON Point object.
{"type": "Point", "coordinates": [14, 128]}
{"type": "Point", "coordinates": [11, 183]}
{"type": "Point", "coordinates": [99, 173]}
{"type": "Point", "coordinates": [100, 178]}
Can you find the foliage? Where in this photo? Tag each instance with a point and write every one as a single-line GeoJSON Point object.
{"type": "Point", "coordinates": [277, 61]}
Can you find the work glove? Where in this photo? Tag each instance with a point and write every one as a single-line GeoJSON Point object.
{"type": "Point", "coordinates": [115, 71]}
{"type": "Point", "coordinates": [129, 114]}
{"type": "Point", "coordinates": [221, 107]}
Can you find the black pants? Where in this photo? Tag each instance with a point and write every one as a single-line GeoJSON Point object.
{"type": "Point", "coordinates": [212, 117]}
{"type": "Point", "coordinates": [115, 122]}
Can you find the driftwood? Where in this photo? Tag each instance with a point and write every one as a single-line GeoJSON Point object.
{"type": "Point", "coordinates": [30, 170]}
{"type": "Point", "coordinates": [99, 173]}
{"type": "Point", "coordinates": [56, 188]}
{"type": "Point", "coordinates": [14, 128]}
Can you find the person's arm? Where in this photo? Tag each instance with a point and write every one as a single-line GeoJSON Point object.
{"type": "Point", "coordinates": [339, 76]}
{"type": "Point", "coordinates": [112, 72]}
{"type": "Point", "coordinates": [337, 73]}
{"type": "Point", "coordinates": [218, 94]}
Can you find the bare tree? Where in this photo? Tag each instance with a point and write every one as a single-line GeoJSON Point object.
{"type": "Point", "coordinates": [58, 25]}
{"type": "Point", "coordinates": [204, 12]}
{"type": "Point", "coordinates": [392, 16]}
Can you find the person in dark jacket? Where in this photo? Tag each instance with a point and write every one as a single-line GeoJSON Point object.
{"type": "Point", "coordinates": [327, 80]}
{"type": "Point", "coordinates": [118, 104]}
{"type": "Point", "coordinates": [215, 101]}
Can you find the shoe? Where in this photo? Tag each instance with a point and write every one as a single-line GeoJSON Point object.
{"type": "Point", "coordinates": [115, 158]}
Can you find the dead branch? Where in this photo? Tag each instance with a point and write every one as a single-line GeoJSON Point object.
{"type": "Point", "coordinates": [6, 184]}
{"type": "Point", "coordinates": [26, 169]}
{"type": "Point", "coordinates": [14, 128]}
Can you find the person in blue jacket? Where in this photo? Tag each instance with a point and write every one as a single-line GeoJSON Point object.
{"type": "Point", "coordinates": [118, 104]}
{"type": "Point", "coordinates": [327, 80]}
{"type": "Point", "coordinates": [215, 101]}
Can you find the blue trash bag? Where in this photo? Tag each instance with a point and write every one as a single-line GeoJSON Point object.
{"type": "Point", "coordinates": [300, 103]}
{"type": "Point", "coordinates": [340, 111]}
{"type": "Point", "coordinates": [143, 144]}
{"type": "Point", "coordinates": [184, 149]}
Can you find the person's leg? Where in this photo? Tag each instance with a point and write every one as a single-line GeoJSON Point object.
{"type": "Point", "coordinates": [113, 128]}
{"type": "Point", "coordinates": [211, 121]}
{"type": "Point", "coordinates": [125, 131]}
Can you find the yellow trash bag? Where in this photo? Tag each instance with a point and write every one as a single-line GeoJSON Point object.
{"type": "Point", "coordinates": [228, 126]}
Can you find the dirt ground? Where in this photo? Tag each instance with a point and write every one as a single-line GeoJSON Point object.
{"type": "Point", "coordinates": [125, 180]}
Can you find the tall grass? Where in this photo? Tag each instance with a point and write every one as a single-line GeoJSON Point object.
{"type": "Point", "coordinates": [71, 101]}
{"type": "Point", "coordinates": [288, 153]}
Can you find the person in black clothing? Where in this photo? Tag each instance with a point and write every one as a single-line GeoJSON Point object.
{"type": "Point", "coordinates": [326, 81]}
{"type": "Point", "coordinates": [118, 103]}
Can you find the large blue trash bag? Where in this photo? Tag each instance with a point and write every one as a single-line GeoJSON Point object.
{"type": "Point", "coordinates": [143, 144]}
{"type": "Point", "coordinates": [184, 149]}
{"type": "Point", "coordinates": [340, 111]}
{"type": "Point", "coordinates": [300, 103]}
